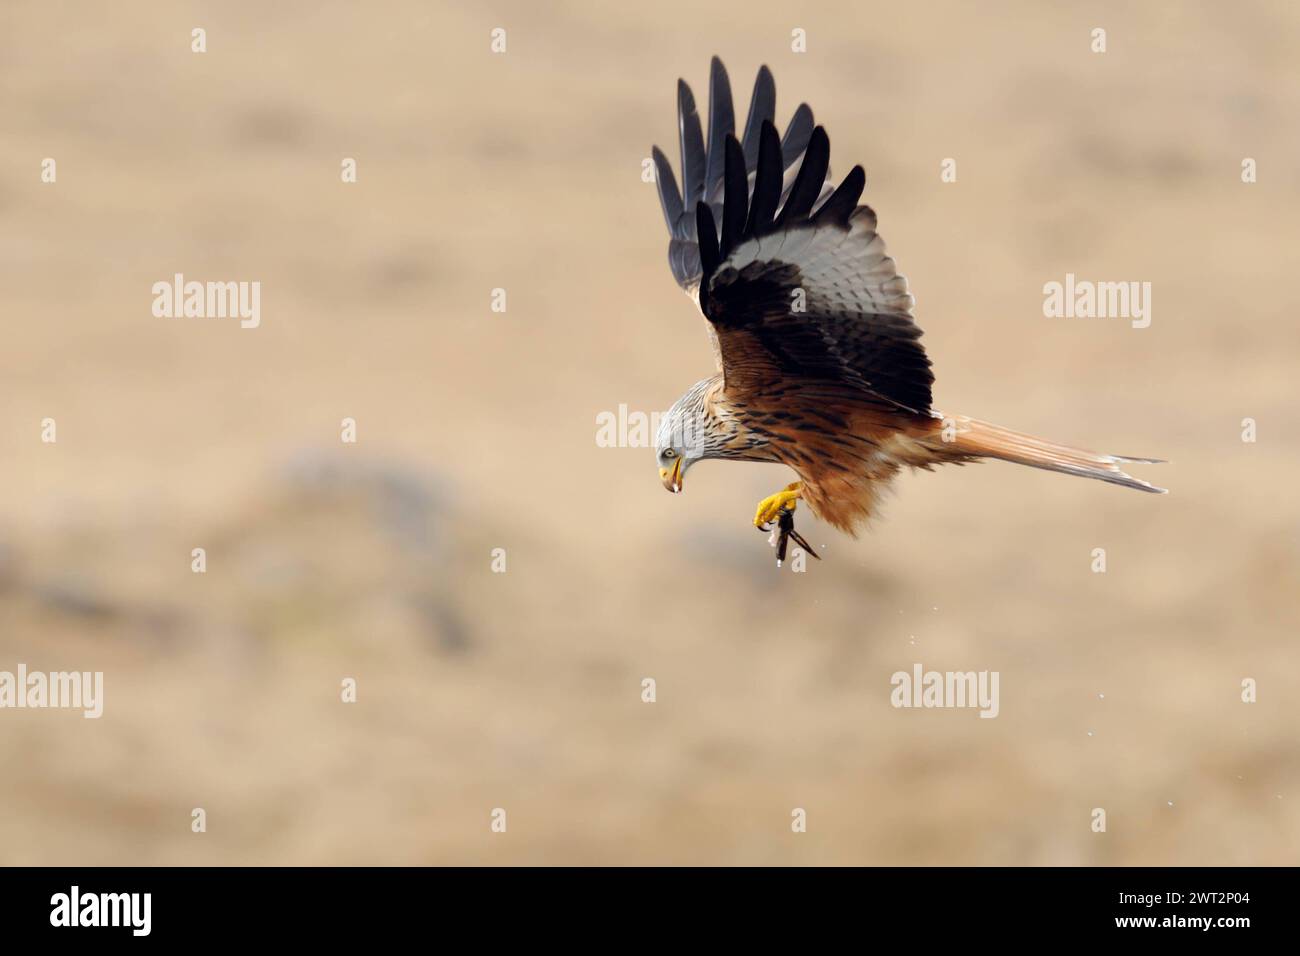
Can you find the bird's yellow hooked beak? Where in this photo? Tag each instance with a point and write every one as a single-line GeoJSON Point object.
{"type": "Point", "coordinates": [672, 477]}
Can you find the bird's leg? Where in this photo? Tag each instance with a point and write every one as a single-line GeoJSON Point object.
{"type": "Point", "coordinates": [771, 507]}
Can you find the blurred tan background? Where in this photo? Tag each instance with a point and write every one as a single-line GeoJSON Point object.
{"type": "Point", "coordinates": [477, 431]}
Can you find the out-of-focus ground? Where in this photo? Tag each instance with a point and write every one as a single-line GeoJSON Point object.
{"type": "Point", "coordinates": [476, 431]}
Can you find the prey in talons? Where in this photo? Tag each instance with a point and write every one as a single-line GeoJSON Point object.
{"type": "Point", "coordinates": [783, 532]}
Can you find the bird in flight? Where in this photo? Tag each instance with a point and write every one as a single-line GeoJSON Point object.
{"type": "Point", "coordinates": [820, 364]}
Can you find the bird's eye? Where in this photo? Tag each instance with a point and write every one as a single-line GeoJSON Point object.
{"type": "Point", "coordinates": [669, 453]}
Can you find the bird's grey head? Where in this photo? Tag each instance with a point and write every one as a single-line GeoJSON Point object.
{"type": "Point", "coordinates": [683, 436]}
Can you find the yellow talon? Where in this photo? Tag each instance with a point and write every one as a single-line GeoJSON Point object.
{"type": "Point", "coordinates": [770, 508]}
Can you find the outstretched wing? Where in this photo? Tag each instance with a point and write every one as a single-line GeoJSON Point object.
{"type": "Point", "coordinates": [702, 166]}
{"type": "Point", "coordinates": [807, 291]}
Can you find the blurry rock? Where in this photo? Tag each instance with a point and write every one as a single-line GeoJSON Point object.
{"type": "Point", "coordinates": [77, 596]}
{"type": "Point", "coordinates": [447, 627]}
{"type": "Point", "coordinates": [407, 504]}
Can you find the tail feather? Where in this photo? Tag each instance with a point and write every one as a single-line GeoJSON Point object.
{"type": "Point", "coordinates": [977, 439]}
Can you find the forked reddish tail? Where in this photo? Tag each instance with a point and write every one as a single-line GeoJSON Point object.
{"type": "Point", "coordinates": [971, 438]}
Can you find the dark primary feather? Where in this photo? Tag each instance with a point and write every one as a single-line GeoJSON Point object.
{"type": "Point", "coordinates": [722, 123]}
{"type": "Point", "coordinates": [808, 181]}
{"type": "Point", "coordinates": [736, 197]}
{"type": "Point", "coordinates": [762, 109]}
{"type": "Point", "coordinates": [708, 246]}
{"type": "Point", "coordinates": [844, 200]}
{"type": "Point", "coordinates": [795, 140]}
{"type": "Point", "coordinates": [767, 181]}
{"type": "Point", "coordinates": [692, 140]}
{"type": "Point", "coordinates": [669, 198]}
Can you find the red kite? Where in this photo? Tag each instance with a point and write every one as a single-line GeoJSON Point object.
{"type": "Point", "coordinates": [820, 365]}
